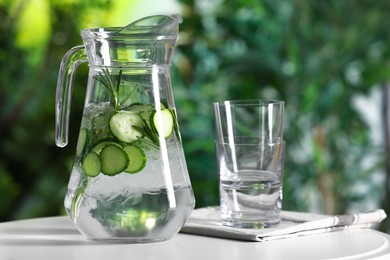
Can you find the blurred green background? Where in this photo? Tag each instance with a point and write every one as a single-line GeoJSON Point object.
{"type": "Point", "coordinates": [329, 61]}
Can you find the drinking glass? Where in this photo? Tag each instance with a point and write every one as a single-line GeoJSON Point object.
{"type": "Point", "coordinates": [250, 161]}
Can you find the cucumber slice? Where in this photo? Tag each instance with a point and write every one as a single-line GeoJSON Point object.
{"type": "Point", "coordinates": [165, 127]}
{"type": "Point", "coordinates": [81, 141]}
{"type": "Point", "coordinates": [114, 160]}
{"type": "Point", "coordinates": [122, 126]}
{"type": "Point", "coordinates": [100, 145]}
{"type": "Point", "coordinates": [92, 164]}
{"type": "Point", "coordinates": [137, 158]}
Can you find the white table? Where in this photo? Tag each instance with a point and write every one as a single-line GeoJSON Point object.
{"type": "Point", "coordinates": [57, 238]}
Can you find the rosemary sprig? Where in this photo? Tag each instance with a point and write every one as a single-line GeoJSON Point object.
{"type": "Point", "coordinates": [149, 143]}
{"type": "Point", "coordinates": [147, 131]}
{"type": "Point", "coordinates": [125, 100]}
{"type": "Point", "coordinates": [112, 84]}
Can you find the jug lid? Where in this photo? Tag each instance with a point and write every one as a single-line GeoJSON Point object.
{"type": "Point", "coordinates": [157, 25]}
{"type": "Point", "coordinates": [145, 42]}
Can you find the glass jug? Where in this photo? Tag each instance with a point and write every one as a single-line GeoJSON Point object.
{"type": "Point", "coordinates": [129, 181]}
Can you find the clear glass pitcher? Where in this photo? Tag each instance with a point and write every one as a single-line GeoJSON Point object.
{"type": "Point", "coordinates": [129, 181]}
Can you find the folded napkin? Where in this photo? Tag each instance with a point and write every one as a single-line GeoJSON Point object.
{"type": "Point", "coordinates": [206, 221]}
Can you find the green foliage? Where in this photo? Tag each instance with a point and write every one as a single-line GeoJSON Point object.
{"type": "Point", "coordinates": [319, 56]}
{"type": "Point", "coordinates": [34, 172]}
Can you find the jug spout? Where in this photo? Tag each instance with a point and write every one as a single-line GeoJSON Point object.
{"type": "Point", "coordinates": [158, 24]}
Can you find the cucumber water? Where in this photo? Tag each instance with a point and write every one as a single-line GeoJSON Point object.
{"type": "Point", "coordinates": [117, 182]}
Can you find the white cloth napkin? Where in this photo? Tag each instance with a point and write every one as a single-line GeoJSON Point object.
{"type": "Point", "coordinates": [206, 221]}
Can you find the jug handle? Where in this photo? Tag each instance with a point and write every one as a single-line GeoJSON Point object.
{"type": "Point", "coordinates": [72, 59]}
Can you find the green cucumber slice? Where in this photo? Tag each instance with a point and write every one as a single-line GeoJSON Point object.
{"type": "Point", "coordinates": [92, 164]}
{"type": "Point", "coordinates": [114, 160]}
{"type": "Point", "coordinates": [100, 145]}
{"type": "Point", "coordinates": [122, 126]}
{"type": "Point", "coordinates": [165, 127]}
{"type": "Point", "coordinates": [81, 141]}
{"type": "Point", "coordinates": [137, 158]}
